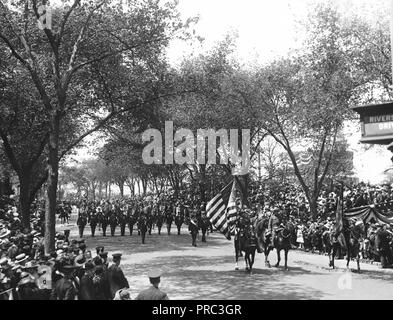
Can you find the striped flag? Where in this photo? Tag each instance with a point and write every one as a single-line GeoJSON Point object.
{"type": "Point", "coordinates": [216, 210]}
{"type": "Point", "coordinates": [232, 208]}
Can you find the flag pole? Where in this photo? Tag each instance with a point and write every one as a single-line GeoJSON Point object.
{"type": "Point", "coordinates": [391, 33]}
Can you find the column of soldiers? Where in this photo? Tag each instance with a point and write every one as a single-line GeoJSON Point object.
{"type": "Point", "coordinates": [145, 214]}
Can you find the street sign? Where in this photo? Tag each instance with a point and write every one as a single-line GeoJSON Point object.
{"type": "Point", "coordinates": [376, 123]}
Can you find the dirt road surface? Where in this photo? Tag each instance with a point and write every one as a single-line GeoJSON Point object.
{"type": "Point", "coordinates": [208, 270]}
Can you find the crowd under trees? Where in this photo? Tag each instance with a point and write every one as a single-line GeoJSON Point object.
{"type": "Point", "coordinates": [102, 67]}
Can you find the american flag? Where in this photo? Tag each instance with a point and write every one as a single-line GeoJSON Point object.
{"type": "Point", "coordinates": [218, 210]}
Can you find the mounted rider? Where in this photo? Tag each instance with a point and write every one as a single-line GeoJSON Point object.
{"type": "Point", "coordinates": [273, 225]}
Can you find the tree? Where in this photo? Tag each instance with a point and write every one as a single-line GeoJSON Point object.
{"type": "Point", "coordinates": [307, 97]}
{"type": "Point", "coordinates": [71, 66]}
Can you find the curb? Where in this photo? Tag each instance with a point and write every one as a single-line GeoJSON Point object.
{"type": "Point", "coordinates": [375, 263]}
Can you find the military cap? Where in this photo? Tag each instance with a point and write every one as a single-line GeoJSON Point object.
{"type": "Point", "coordinates": [103, 254]}
{"type": "Point", "coordinates": [116, 255]}
{"type": "Point", "coordinates": [154, 274]}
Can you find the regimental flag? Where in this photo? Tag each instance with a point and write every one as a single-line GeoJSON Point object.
{"type": "Point", "coordinates": [232, 206]}
{"type": "Point", "coordinates": [216, 210]}
{"type": "Point", "coordinates": [339, 213]}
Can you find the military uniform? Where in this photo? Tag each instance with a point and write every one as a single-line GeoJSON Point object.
{"type": "Point", "coordinates": [122, 218]}
{"type": "Point", "coordinates": [116, 279]}
{"type": "Point", "coordinates": [152, 293]}
{"type": "Point", "coordinates": [113, 223]}
{"type": "Point", "coordinates": [81, 222]}
{"type": "Point", "coordinates": [193, 228]}
{"type": "Point", "coordinates": [93, 223]}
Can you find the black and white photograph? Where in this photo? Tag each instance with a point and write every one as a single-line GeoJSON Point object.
{"type": "Point", "coordinates": [213, 151]}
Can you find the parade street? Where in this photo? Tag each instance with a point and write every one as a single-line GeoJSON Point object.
{"type": "Point", "coordinates": [208, 270]}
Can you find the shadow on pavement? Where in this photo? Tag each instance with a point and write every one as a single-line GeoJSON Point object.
{"type": "Point", "coordinates": [198, 279]}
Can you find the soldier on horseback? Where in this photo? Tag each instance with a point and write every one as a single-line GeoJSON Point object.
{"type": "Point", "coordinates": [273, 225]}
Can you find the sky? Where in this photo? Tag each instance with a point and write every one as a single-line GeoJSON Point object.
{"type": "Point", "coordinates": [268, 29]}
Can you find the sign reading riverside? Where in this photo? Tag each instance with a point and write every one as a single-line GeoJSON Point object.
{"type": "Point", "coordinates": [376, 123]}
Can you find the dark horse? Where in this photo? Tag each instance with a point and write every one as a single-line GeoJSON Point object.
{"type": "Point", "coordinates": [204, 225]}
{"type": "Point", "coordinates": [281, 241]}
{"type": "Point", "coordinates": [353, 236]}
{"type": "Point", "coordinates": [246, 241]}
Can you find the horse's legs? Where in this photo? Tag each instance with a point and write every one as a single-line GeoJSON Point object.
{"type": "Point", "coordinates": [267, 263]}
{"type": "Point", "coordinates": [286, 258]}
{"type": "Point", "coordinates": [278, 257]}
{"type": "Point", "coordinates": [247, 259]}
{"type": "Point", "coordinates": [252, 259]}
{"type": "Point", "coordinates": [237, 258]}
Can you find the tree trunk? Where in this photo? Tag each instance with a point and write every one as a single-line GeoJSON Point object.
{"type": "Point", "coordinates": [100, 191]}
{"type": "Point", "coordinates": [109, 190]}
{"type": "Point", "coordinates": [314, 208]}
{"type": "Point", "coordinates": [53, 176]}
{"type": "Point", "coordinates": [106, 190]}
{"type": "Point", "coordinates": [24, 198]}
{"type": "Point", "coordinates": [121, 188]}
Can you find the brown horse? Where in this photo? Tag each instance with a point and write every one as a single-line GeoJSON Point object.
{"type": "Point", "coordinates": [281, 241]}
{"type": "Point", "coordinates": [353, 237]}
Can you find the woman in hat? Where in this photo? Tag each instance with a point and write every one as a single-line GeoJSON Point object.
{"type": "Point", "coordinates": [27, 288]}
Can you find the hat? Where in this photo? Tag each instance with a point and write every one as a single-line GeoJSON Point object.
{"type": "Point", "coordinates": [116, 255]}
{"type": "Point", "coordinates": [80, 260]}
{"type": "Point", "coordinates": [20, 258]}
{"type": "Point", "coordinates": [68, 268]}
{"type": "Point", "coordinates": [31, 265]}
{"type": "Point", "coordinates": [4, 233]}
{"type": "Point", "coordinates": [26, 279]}
{"type": "Point", "coordinates": [153, 274]}
{"type": "Point", "coordinates": [359, 222]}
{"type": "Point", "coordinates": [3, 261]}
{"type": "Point", "coordinates": [15, 214]}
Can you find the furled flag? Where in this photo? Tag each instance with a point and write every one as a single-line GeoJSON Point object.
{"type": "Point", "coordinates": [339, 214]}
{"type": "Point", "coordinates": [216, 210]}
{"type": "Point", "coordinates": [232, 206]}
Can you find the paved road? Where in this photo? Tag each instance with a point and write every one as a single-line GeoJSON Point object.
{"type": "Point", "coordinates": [207, 271]}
